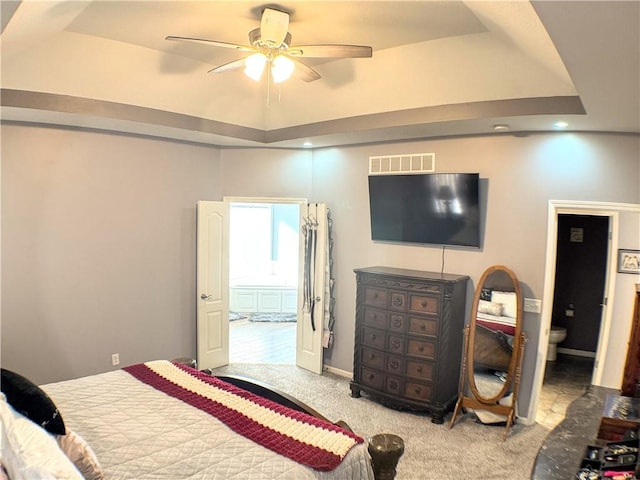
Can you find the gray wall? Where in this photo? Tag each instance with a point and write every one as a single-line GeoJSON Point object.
{"type": "Point", "coordinates": [522, 175]}
{"type": "Point", "coordinates": [98, 249]}
{"type": "Point", "coordinates": [266, 173]}
{"type": "Point", "coordinates": [98, 233]}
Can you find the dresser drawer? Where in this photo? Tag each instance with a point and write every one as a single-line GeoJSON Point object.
{"type": "Point", "coordinates": [423, 326]}
{"type": "Point", "coordinates": [372, 379]}
{"type": "Point", "coordinates": [394, 365]}
{"type": "Point", "coordinates": [421, 348]}
{"type": "Point", "coordinates": [375, 318]}
{"type": "Point", "coordinates": [396, 344]}
{"type": "Point", "coordinates": [421, 370]}
{"type": "Point", "coordinates": [397, 322]}
{"type": "Point", "coordinates": [374, 338]}
{"type": "Point", "coordinates": [394, 385]}
{"type": "Point", "coordinates": [398, 301]}
{"type": "Point", "coordinates": [373, 358]}
{"type": "Point", "coordinates": [376, 297]}
{"type": "Point", "coordinates": [418, 391]}
{"type": "Point", "coordinates": [424, 304]}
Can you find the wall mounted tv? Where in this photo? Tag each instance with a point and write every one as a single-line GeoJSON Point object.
{"type": "Point", "coordinates": [433, 208]}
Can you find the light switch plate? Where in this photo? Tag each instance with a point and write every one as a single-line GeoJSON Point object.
{"type": "Point", "coordinates": [532, 305]}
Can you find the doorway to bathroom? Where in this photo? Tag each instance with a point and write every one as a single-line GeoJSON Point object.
{"type": "Point", "coordinates": [263, 282]}
{"type": "Point", "coordinates": [582, 262]}
{"type": "Point", "coordinates": [578, 294]}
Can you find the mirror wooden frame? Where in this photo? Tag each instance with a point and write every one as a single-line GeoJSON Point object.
{"type": "Point", "coordinates": [512, 379]}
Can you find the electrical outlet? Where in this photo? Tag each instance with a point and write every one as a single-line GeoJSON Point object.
{"type": "Point", "coordinates": [532, 305]}
{"type": "Point", "coordinates": [115, 359]}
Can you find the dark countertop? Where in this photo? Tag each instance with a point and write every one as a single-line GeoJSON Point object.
{"type": "Point", "coordinates": [561, 453]}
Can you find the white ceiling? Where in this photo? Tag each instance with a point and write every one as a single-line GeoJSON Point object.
{"type": "Point", "coordinates": [439, 68]}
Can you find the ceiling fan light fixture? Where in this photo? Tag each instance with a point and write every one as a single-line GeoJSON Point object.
{"type": "Point", "coordinates": [254, 66]}
{"type": "Point", "coordinates": [271, 44]}
{"type": "Point", "coordinates": [282, 68]}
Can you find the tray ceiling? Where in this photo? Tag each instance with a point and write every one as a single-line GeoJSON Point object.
{"type": "Point", "coordinates": [438, 69]}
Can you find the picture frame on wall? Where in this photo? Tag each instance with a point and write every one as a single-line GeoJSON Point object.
{"type": "Point", "coordinates": [628, 261]}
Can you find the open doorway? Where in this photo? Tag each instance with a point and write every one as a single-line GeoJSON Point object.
{"type": "Point", "coordinates": [556, 209]}
{"type": "Point", "coordinates": [582, 245]}
{"type": "Point", "coordinates": [263, 281]}
{"type": "Point", "coordinates": [579, 297]}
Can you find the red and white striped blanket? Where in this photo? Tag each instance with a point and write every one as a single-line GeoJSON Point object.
{"type": "Point", "coordinates": [303, 438]}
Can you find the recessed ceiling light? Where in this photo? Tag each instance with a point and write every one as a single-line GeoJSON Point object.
{"type": "Point", "coordinates": [560, 125]}
{"type": "Point", "coordinates": [307, 144]}
{"type": "Point", "coordinates": [500, 128]}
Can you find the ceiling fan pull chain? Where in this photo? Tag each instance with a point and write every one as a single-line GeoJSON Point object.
{"type": "Point", "coordinates": [268, 86]}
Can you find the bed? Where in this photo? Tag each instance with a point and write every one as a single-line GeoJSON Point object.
{"type": "Point", "coordinates": [166, 420]}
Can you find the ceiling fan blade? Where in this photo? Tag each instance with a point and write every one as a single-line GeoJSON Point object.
{"type": "Point", "coordinates": [273, 27]}
{"type": "Point", "coordinates": [305, 72]}
{"type": "Point", "coordinates": [331, 51]}
{"type": "Point", "coordinates": [226, 67]}
{"type": "Point", "coordinates": [213, 43]}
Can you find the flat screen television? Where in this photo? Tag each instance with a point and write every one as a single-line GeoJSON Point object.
{"type": "Point", "coordinates": [433, 208]}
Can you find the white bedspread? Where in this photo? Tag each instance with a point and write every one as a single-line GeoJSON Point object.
{"type": "Point", "coordinates": [138, 432]}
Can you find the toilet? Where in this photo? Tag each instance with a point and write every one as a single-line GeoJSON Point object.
{"type": "Point", "coordinates": [556, 335]}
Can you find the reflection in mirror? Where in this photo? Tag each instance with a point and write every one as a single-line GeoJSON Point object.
{"type": "Point", "coordinates": [494, 331]}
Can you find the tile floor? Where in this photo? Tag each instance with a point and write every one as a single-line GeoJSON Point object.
{"type": "Point", "coordinates": [564, 381]}
{"type": "Point", "coordinates": [274, 342]}
{"type": "Point", "coordinates": [262, 342]}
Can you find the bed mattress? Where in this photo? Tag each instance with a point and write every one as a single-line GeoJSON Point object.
{"type": "Point", "coordinates": [138, 432]}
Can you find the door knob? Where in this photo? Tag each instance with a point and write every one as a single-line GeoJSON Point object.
{"type": "Point", "coordinates": [204, 296]}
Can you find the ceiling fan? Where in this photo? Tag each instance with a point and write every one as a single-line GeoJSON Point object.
{"type": "Point", "coordinates": [270, 44]}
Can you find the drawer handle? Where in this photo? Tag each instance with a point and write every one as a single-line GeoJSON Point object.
{"type": "Point", "coordinates": [374, 316]}
{"type": "Point", "coordinates": [419, 369]}
{"type": "Point", "coordinates": [372, 356]}
{"type": "Point", "coordinates": [423, 303]}
{"type": "Point", "coordinates": [371, 376]}
{"type": "Point", "coordinates": [423, 326]}
{"type": "Point", "coordinates": [417, 390]}
{"type": "Point", "coordinates": [372, 336]}
{"type": "Point", "coordinates": [421, 348]}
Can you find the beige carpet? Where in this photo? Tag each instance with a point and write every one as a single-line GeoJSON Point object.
{"type": "Point", "coordinates": [468, 451]}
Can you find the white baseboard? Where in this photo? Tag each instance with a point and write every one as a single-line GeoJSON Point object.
{"type": "Point", "coordinates": [337, 371]}
{"type": "Point", "coordinates": [577, 353]}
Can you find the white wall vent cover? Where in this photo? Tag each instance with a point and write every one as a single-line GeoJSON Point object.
{"type": "Point", "coordinates": [407, 164]}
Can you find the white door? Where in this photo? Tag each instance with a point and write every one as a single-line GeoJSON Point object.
{"type": "Point", "coordinates": [313, 294]}
{"type": "Point", "coordinates": [212, 285]}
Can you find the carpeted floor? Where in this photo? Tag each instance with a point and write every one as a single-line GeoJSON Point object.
{"type": "Point", "coordinates": [469, 450]}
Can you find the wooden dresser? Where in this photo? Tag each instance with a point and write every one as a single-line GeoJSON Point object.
{"type": "Point", "coordinates": [408, 342]}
